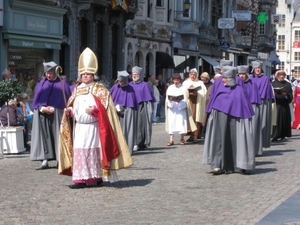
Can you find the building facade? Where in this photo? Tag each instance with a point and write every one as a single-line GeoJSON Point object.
{"type": "Point", "coordinates": [288, 38]}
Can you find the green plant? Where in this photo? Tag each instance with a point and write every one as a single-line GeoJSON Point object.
{"type": "Point", "coordinates": [9, 89]}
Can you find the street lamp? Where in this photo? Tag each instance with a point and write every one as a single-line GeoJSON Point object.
{"type": "Point", "coordinates": [187, 6]}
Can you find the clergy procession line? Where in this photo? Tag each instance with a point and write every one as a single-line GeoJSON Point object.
{"type": "Point", "coordinates": [92, 131]}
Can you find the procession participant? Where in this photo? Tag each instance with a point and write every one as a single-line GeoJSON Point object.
{"type": "Point", "coordinates": [178, 110]}
{"type": "Point", "coordinates": [267, 97]}
{"type": "Point", "coordinates": [144, 97]}
{"type": "Point", "coordinates": [284, 96]}
{"type": "Point", "coordinates": [296, 103]}
{"type": "Point", "coordinates": [48, 105]}
{"type": "Point", "coordinates": [89, 150]}
{"type": "Point", "coordinates": [197, 99]}
{"type": "Point", "coordinates": [253, 93]}
{"type": "Point", "coordinates": [229, 137]}
{"type": "Point", "coordinates": [126, 105]}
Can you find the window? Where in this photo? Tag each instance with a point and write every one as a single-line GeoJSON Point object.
{"type": "Point", "coordinates": [282, 21]}
{"type": "Point", "coordinates": [297, 35]}
{"type": "Point", "coordinates": [216, 12]}
{"type": "Point", "coordinates": [159, 3]}
{"type": "Point", "coordinates": [281, 42]}
{"type": "Point", "coordinates": [261, 28]}
{"type": "Point", "coordinates": [296, 73]}
{"type": "Point", "coordinates": [281, 66]}
{"type": "Point", "coordinates": [297, 56]}
{"type": "Point", "coordinates": [149, 9]}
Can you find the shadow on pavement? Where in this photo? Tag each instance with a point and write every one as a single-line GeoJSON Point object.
{"type": "Point", "coordinates": [261, 171]}
{"type": "Point", "coordinates": [129, 183]}
{"type": "Point", "coordinates": [277, 152]}
{"type": "Point", "coordinates": [263, 163]}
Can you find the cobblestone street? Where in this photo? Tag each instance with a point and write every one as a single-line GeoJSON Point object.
{"type": "Point", "coordinates": [166, 185]}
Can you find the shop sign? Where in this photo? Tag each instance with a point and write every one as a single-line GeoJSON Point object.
{"type": "Point", "coordinates": [241, 15]}
{"type": "Point", "coordinates": [275, 19]}
{"type": "Point", "coordinates": [226, 23]}
{"type": "Point", "coordinates": [224, 45]}
{"type": "Point", "coordinates": [262, 55]}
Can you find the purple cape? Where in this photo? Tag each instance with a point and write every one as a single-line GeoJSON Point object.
{"type": "Point", "coordinates": [49, 93]}
{"type": "Point", "coordinates": [230, 100]}
{"type": "Point", "coordinates": [124, 96]}
{"type": "Point", "coordinates": [142, 91]}
{"type": "Point", "coordinates": [252, 91]}
{"type": "Point", "coordinates": [264, 86]}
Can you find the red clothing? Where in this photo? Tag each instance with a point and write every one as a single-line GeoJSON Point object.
{"type": "Point", "coordinates": [296, 100]}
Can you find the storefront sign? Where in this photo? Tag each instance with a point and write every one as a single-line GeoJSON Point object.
{"type": "Point", "coordinates": [37, 24]}
{"type": "Point", "coordinates": [241, 15]}
{"type": "Point", "coordinates": [33, 44]}
{"type": "Point", "coordinates": [226, 23]}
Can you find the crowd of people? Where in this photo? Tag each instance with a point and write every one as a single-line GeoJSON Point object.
{"type": "Point", "coordinates": [91, 127]}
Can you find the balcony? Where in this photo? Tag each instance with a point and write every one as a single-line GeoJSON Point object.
{"type": "Point", "coordinates": [208, 34]}
{"type": "Point", "coordinates": [265, 43]}
{"type": "Point", "coordinates": [267, 2]}
{"type": "Point", "coordinates": [186, 27]}
{"type": "Point", "coordinates": [243, 41]}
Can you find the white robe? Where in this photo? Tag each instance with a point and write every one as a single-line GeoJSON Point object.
{"type": "Point", "coordinates": [177, 117]}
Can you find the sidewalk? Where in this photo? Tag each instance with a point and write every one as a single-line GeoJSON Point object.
{"type": "Point", "coordinates": [166, 185]}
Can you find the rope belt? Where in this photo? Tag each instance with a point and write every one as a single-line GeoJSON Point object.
{"type": "Point", "coordinates": [87, 123]}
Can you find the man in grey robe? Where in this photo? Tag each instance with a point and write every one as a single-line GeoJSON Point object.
{"type": "Point", "coordinates": [48, 103]}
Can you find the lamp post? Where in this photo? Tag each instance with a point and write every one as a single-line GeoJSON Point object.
{"type": "Point", "coordinates": [187, 6]}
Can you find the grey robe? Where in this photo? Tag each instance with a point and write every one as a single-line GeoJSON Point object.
{"type": "Point", "coordinates": [44, 135]}
{"type": "Point", "coordinates": [144, 124]}
{"type": "Point", "coordinates": [228, 142]}
{"type": "Point", "coordinates": [128, 121]}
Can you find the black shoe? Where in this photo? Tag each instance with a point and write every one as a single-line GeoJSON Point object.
{"type": "Point", "coordinates": [274, 139]}
{"type": "Point", "coordinates": [282, 139]}
{"type": "Point", "coordinates": [218, 172]}
{"type": "Point", "coordinates": [77, 186]}
{"type": "Point", "coordinates": [99, 183]}
{"type": "Point", "coordinates": [42, 167]}
{"type": "Point", "coordinates": [243, 172]}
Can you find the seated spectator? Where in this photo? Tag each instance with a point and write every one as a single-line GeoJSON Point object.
{"type": "Point", "coordinates": [12, 118]}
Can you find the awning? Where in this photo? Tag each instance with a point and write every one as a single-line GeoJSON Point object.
{"type": "Point", "coordinates": [210, 60]}
{"type": "Point", "coordinates": [164, 60]}
{"type": "Point", "coordinates": [32, 42]}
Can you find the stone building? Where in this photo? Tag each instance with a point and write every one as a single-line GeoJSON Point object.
{"type": "Point", "coordinates": [58, 30]}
